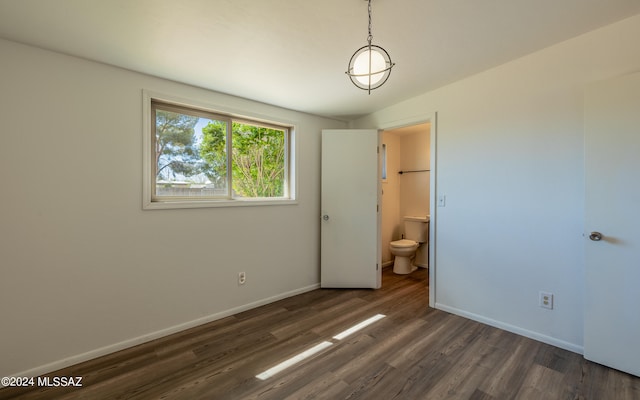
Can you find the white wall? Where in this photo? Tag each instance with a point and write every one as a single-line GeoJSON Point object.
{"type": "Point", "coordinates": [84, 270]}
{"type": "Point", "coordinates": [510, 162]}
{"type": "Point", "coordinates": [414, 186]}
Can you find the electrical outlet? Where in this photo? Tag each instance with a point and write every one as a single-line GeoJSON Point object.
{"type": "Point", "coordinates": [242, 278]}
{"type": "Point", "coordinates": [546, 300]}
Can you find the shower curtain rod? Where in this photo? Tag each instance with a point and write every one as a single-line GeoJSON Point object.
{"type": "Point", "coordinates": [418, 170]}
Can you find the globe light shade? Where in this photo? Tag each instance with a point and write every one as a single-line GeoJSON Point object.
{"type": "Point", "coordinates": [361, 65]}
{"type": "Point", "coordinates": [369, 67]}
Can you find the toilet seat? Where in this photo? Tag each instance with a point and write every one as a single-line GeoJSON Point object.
{"type": "Point", "coordinates": [403, 243]}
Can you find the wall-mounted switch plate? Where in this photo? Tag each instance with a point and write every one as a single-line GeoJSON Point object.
{"type": "Point", "coordinates": [441, 200]}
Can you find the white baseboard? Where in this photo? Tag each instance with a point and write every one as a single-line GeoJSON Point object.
{"type": "Point", "coordinates": [514, 329]}
{"type": "Point", "coordinates": [76, 359]}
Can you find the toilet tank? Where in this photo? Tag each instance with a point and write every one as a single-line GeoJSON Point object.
{"type": "Point", "coordinates": [416, 228]}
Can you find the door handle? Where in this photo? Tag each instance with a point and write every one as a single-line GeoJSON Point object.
{"type": "Point", "coordinates": [596, 236]}
{"type": "Point", "coordinates": [325, 217]}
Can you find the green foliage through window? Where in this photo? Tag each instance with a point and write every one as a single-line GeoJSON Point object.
{"type": "Point", "coordinates": [257, 158]}
{"type": "Point", "coordinates": [191, 156]}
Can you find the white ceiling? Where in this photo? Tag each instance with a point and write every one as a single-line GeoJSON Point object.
{"type": "Point", "coordinates": [294, 53]}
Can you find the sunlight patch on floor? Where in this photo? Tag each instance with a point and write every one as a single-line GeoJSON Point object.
{"type": "Point", "coordinates": [316, 349]}
{"type": "Point", "coordinates": [293, 360]}
{"type": "Point", "coordinates": [357, 327]}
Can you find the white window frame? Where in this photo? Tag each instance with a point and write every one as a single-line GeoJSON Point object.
{"type": "Point", "coordinates": [150, 202]}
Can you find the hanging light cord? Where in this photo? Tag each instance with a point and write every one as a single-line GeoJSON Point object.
{"type": "Point", "coordinates": [370, 37]}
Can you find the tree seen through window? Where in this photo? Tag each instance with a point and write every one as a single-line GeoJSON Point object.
{"type": "Point", "coordinates": [191, 157]}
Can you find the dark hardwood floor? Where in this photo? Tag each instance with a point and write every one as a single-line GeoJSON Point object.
{"type": "Point", "coordinates": [413, 353]}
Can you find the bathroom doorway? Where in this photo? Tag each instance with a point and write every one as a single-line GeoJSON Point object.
{"type": "Point", "coordinates": [406, 184]}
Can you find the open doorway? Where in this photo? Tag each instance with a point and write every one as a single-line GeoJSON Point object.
{"type": "Point", "coordinates": [408, 190]}
{"type": "Point", "coordinates": [405, 186]}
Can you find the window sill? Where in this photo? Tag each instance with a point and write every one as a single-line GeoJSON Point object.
{"type": "Point", "coordinates": [178, 204]}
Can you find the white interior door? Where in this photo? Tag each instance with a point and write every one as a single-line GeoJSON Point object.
{"type": "Point", "coordinates": [612, 167]}
{"type": "Point", "coordinates": [350, 234]}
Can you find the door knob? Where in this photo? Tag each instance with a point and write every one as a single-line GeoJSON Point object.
{"type": "Point", "coordinates": [595, 236]}
{"type": "Point", "coordinates": [325, 217]}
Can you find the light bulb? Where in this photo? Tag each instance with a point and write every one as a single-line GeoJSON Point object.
{"type": "Point", "coordinates": [361, 67]}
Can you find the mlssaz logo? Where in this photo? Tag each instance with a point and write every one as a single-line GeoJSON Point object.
{"type": "Point", "coordinates": [59, 381]}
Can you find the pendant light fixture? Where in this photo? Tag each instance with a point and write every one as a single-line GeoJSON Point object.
{"type": "Point", "coordinates": [370, 66]}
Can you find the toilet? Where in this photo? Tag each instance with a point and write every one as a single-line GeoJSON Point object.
{"type": "Point", "coordinates": [416, 234]}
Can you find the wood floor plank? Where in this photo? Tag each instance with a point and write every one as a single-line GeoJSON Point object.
{"type": "Point", "coordinates": [541, 383]}
{"type": "Point", "coordinates": [509, 374]}
{"type": "Point", "coordinates": [414, 352]}
{"type": "Point", "coordinates": [473, 366]}
{"type": "Point", "coordinates": [326, 387]}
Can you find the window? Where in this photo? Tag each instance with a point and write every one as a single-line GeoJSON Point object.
{"type": "Point", "coordinates": [384, 162]}
{"type": "Point", "coordinates": [201, 158]}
